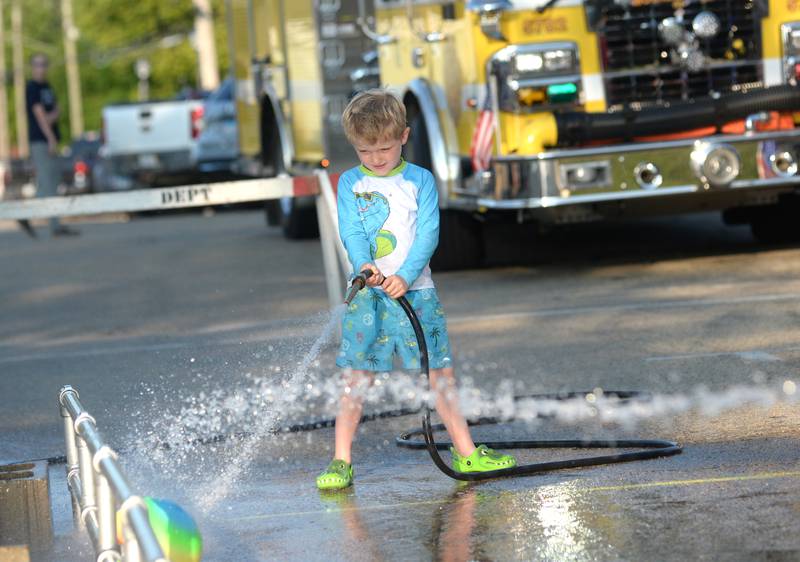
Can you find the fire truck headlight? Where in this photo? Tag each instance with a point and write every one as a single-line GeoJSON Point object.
{"type": "Point", "coordinates": [528, 62]}
{"type": "Point", "coordinates": [560, 60]}
{"type": "Point", "coordinates": [539, 59]}
{"type": "Point", "coordinates": [536, 74]}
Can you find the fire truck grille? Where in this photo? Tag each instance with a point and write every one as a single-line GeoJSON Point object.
{"type": "Point", "coordinates": [642, 69]}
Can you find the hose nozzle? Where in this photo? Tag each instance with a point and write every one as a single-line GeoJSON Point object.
{"type": "Point", "coordinates": [358, 283]}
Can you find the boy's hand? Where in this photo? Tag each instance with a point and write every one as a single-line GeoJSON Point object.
{"type": "Point", "coordinates": [376, 278]}
{"type": "Point", "coordinates": [395, 286]}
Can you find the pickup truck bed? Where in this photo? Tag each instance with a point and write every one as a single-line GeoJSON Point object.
{"type": "Point", "coordinates": [152, 138]}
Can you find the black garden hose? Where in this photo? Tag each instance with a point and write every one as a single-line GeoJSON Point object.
{"type": "Point", "coordinates": [649, 448]}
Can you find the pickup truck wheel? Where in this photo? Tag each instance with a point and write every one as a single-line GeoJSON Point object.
{"type": "Point", "coordinates": [299, 218]}
{"type": "Point", "coordinates": [460, 242]}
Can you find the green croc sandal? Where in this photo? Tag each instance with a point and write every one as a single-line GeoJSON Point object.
{"type": "Point", "coordinates": [482, 459]}
{"type": "Point", "coordinates": [337, 476]}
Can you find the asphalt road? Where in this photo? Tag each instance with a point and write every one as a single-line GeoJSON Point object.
{"type": "Point", "coordinates": [176, 327]}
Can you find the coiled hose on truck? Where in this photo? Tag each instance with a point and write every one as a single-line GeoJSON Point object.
{"type": "Point", "coordinates": [580, 127]}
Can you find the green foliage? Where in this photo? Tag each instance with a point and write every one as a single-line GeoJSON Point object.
{"type": "Point", "coordinates": [113, 34]}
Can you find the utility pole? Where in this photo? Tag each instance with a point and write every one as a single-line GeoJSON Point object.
{"type": "Point", "coordinates": [142, 69]}
{"type": "Point", "coordinates": [206, 48]}
{"type": "Point", "coordinates": [23, 149]}
{"type": "Point", "coordinates": [3, 92]}
{"type": "Point", "coordinates": [73, 71]}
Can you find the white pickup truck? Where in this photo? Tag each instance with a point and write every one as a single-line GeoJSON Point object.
{"type": "Point", "coordinates": [148, 142]}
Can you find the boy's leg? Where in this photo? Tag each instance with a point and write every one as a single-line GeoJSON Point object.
{"type": "Point", "coordinates": [443, 381]}
{"type": "Point", "coordinates": [466, 457]}
{"type": "Point", "coordinates": [350, 406]}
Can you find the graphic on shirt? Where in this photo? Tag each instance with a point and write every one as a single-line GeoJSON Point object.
{"type": "Point", "coordinates": [374, 209]}
{"type": "Point", "coordinates": [48, 99]}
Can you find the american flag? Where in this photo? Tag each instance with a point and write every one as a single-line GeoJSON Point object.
{"type": "Point", "coordinates": [481, 150]}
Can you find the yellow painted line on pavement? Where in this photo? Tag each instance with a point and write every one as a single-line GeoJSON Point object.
{"type": "Point", "coordinates": [697, 481]}
{"type": "Point", "coordinates": [621, 487]}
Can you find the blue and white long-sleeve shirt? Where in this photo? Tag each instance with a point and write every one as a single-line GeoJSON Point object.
{"type": "Point", "coordinates": [391, 221]}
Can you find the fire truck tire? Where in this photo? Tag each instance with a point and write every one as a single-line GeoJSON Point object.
{"type": "Point", "coordinates": [417, 149]}
{"type": "Point", "coordinates": [299, 218]}
{"type": "Point", "coordinates": [460, 242]}
{"type": "Point", "coordinates": [777, 223]}
{"type": "Point", "coordinates": [774, 231]}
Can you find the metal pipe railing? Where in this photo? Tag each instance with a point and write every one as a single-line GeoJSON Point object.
{"type": "Point", "coordinates": [100, 490]}
{"type": "Point", "coordinates": [334, 256]}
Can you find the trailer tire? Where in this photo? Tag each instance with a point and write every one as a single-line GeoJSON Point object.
{"type": "Point", "coordinates": [460, 242]}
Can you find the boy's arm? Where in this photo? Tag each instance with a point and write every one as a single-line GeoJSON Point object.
{"type": "Point", "coordinates": [427, 236]}
{"type": "Point", "coordinates": [351, 230]}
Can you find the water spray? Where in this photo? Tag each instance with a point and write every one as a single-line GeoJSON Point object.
{"type": "Point", "coordinates": [648, 448]}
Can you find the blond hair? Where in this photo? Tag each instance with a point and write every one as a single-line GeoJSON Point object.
{"type": "Point", "coordinates": [373, 116]}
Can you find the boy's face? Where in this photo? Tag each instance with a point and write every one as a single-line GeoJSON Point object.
{"type": "Point", "coordinates": [383, 156]}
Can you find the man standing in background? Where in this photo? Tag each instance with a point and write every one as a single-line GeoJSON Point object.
{"type": "Point", "coordinates": [42, 109]}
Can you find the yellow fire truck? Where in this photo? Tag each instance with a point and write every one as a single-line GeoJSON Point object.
{"type": "Point", "coordinates": [549, 111]}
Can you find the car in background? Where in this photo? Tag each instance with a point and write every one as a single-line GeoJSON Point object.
{"type": "Point", "coordinates": [80, 162]}
{"type": "Point", "coordinates": [18, 179]}
{"type": "Point", "coordinates": [217, 146]}
{"type": "Point", "coordinates": [150, 143]}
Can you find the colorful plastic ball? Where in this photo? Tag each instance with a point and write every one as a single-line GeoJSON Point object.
{"type": "Point", "coordinates": [175, 530]}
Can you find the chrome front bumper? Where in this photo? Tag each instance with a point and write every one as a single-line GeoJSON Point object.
{"type": "Point", "coordinates": [544, 182]}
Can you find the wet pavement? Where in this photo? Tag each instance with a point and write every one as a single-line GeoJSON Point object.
{"type": "Point", "coordinates": [155, 318]}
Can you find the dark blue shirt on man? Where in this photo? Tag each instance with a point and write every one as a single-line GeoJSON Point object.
{"type": "Point", "coordinates": [39, 92]}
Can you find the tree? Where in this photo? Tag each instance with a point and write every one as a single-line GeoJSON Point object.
{"type": "Point", "coordinates": [113, 34]}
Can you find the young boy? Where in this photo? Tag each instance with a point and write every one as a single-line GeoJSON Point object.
{"type": "Point", "coordinates": [389, 223]}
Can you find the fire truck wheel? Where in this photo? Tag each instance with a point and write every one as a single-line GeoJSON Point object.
{"type": "Point", "coordinates": [299, 218]}
{"type": "Point", "coordinates": [774, 231]}
{"type": "Point", "coordinates": [460, 242]}
{"type": "Point", "coordinates": [777, 224]}
{"type": "Point", "coordinates": [417, 149]}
